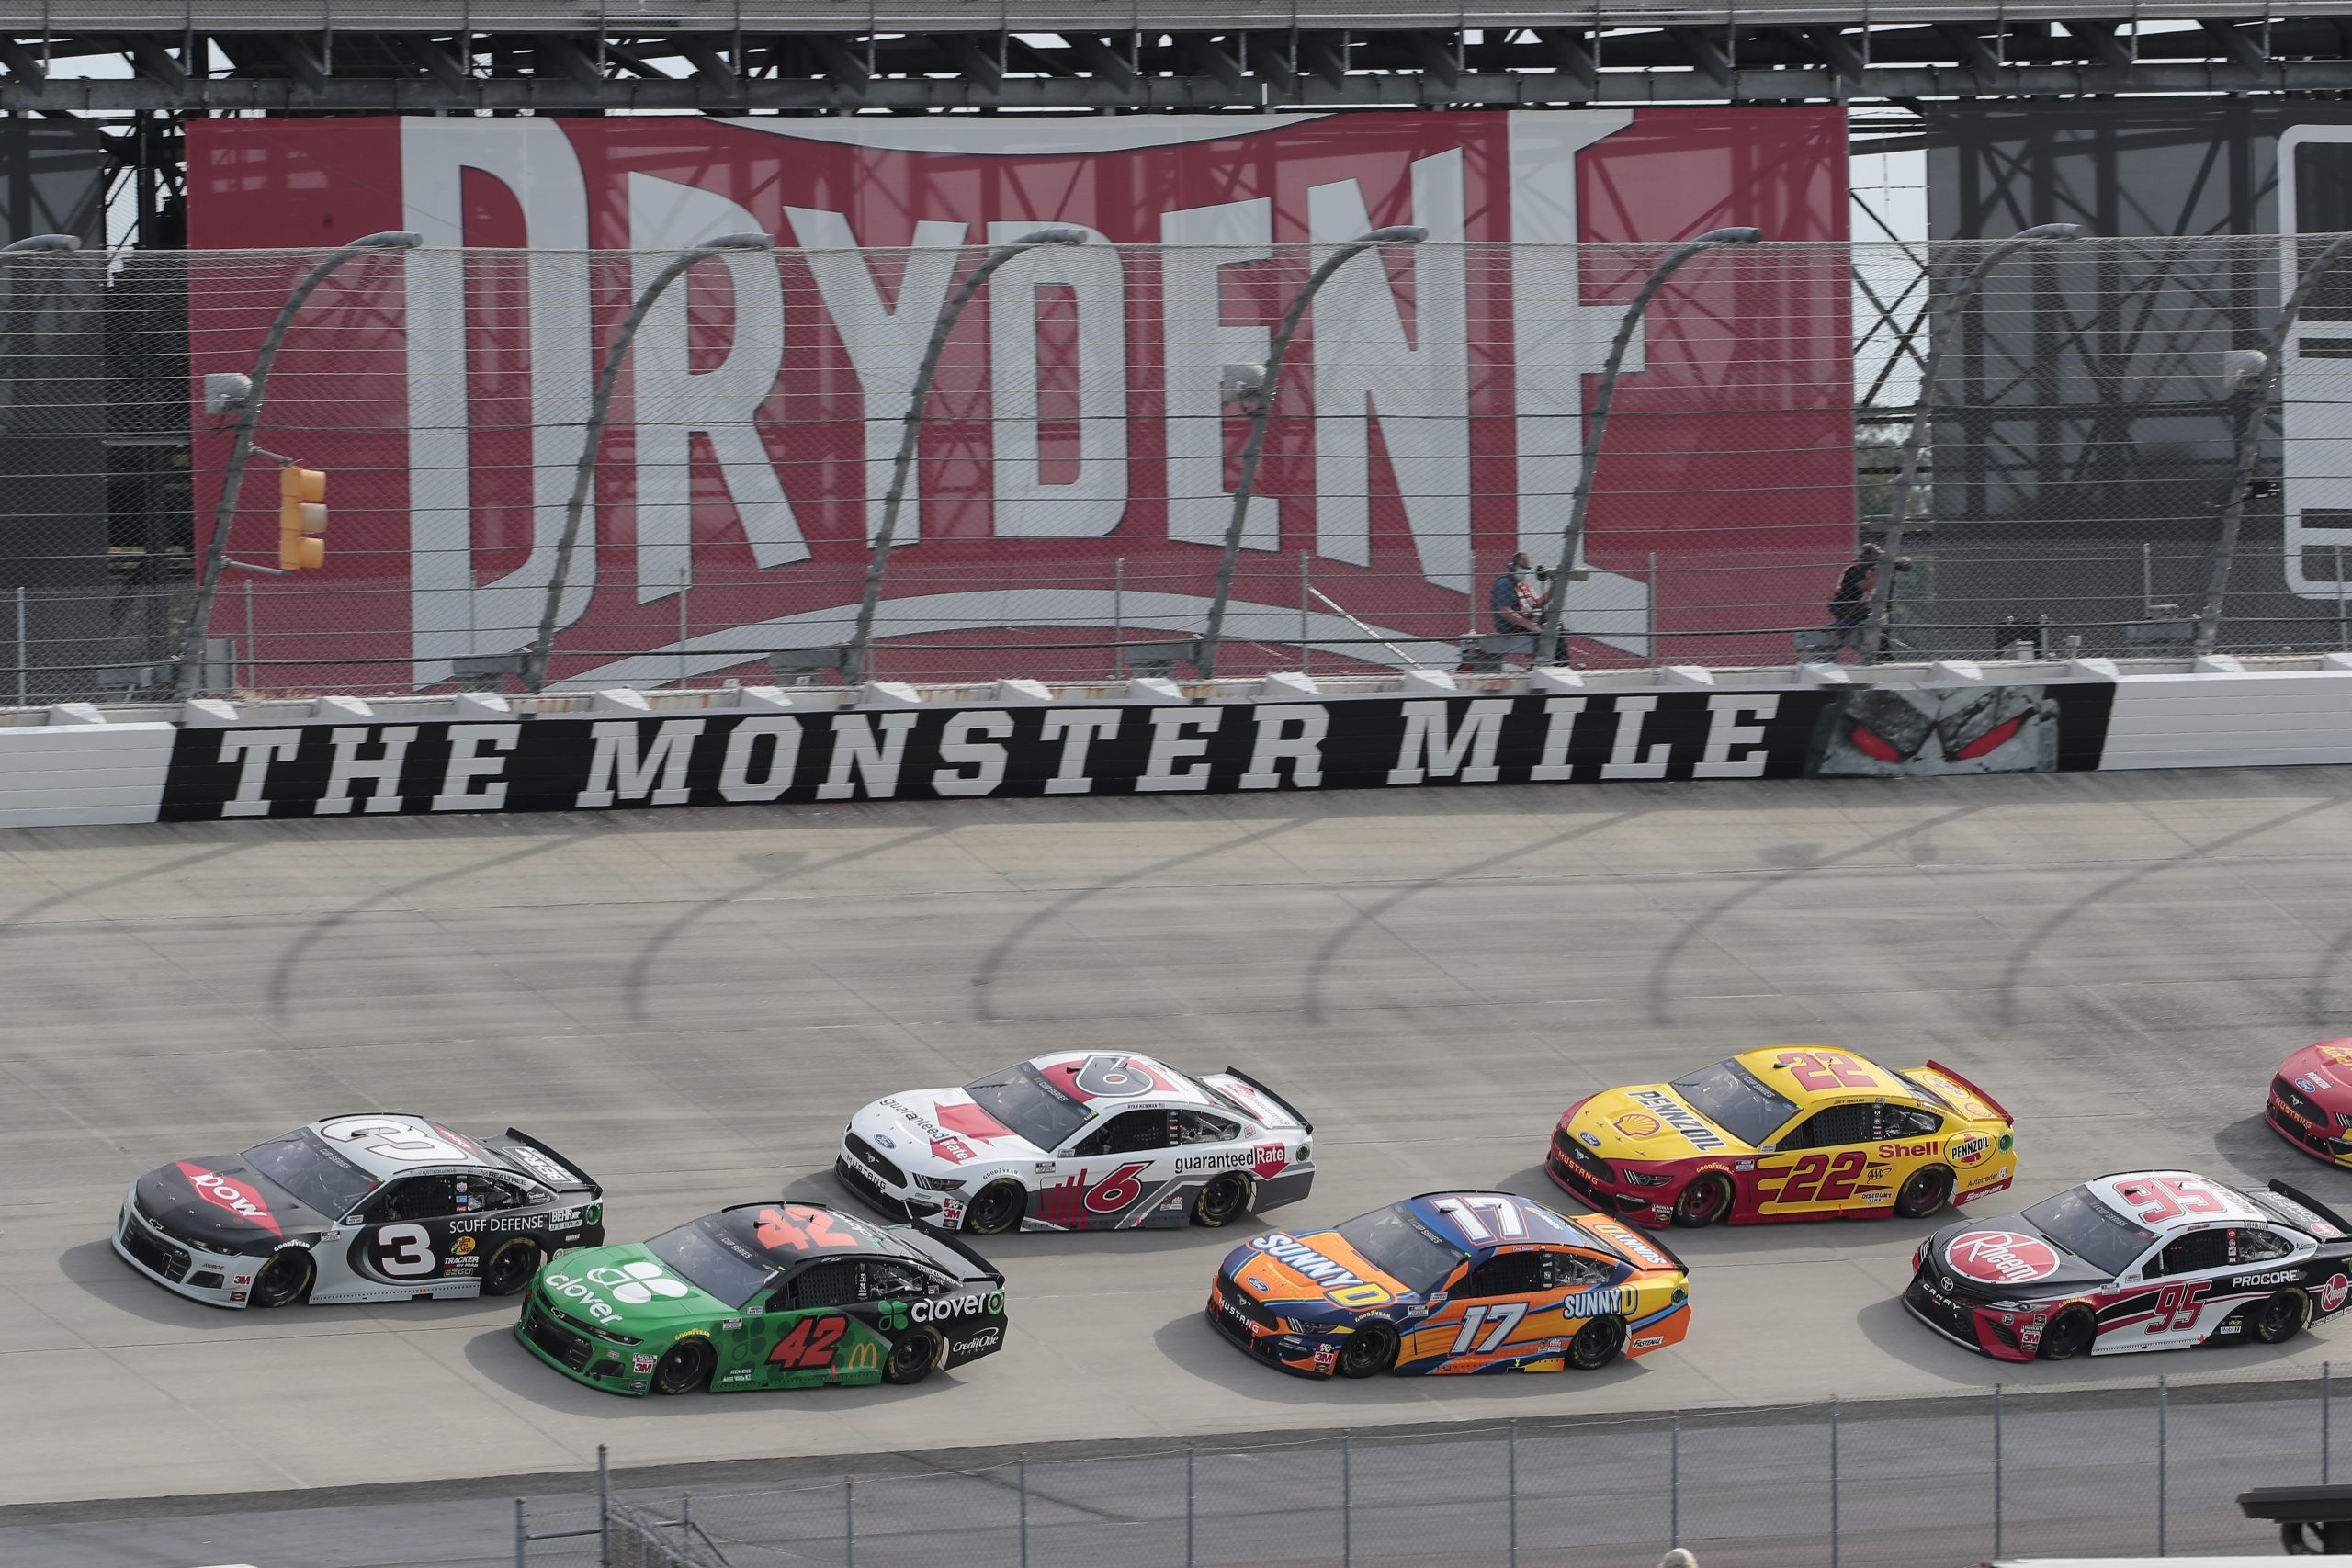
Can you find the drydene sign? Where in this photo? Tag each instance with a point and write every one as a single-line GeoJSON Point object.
{"type": "Point", "coordinates": [1429, 422]}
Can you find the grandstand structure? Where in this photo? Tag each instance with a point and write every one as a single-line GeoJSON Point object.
{"type": "Point", "coordinates": [735, 57]}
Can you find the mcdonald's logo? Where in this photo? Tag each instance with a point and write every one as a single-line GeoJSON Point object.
{"type": "Point", "coordinates": [864, 1355]}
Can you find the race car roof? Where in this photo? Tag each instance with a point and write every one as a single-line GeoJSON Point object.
{"type": "Point", "coordinates": [790, 1233]}
{"type": "Point", "coordinates": [2147, 1199]}
{"type": "Point", "coordinates": [1807, 1073]}
{"type": "Point", "coordinates": [1068, 1071]}
{"type": "Point", "coordinates": [1475, 1220]}
{"type": "Point", "coordinates": [386, 1143]}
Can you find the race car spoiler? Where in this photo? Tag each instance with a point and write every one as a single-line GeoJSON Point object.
{"type": "Point", "coordinates": [1295, 1115]}
{"type": "Point", "coordinates": [1999, 1108]}
{"type": "Point", "coordinates": [580, 1182]}
{"type": "Point", "coordinates": [2294, 1196]}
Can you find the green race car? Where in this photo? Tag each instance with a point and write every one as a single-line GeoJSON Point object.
{"type": "Point", "coordinates": [765, 1295]}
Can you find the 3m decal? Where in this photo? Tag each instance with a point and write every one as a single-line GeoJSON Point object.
{"type": "Point", "coordinates": [1337, 1282]}
{"type": "Point", "coordinates": [809, 1345]}
{"type": "Point", "coordinates": [2001, 1258]}
{"type": "Point", "coordinates": [1684, 1120]}
{"type": "Point", "coordinates": [240, 1199]}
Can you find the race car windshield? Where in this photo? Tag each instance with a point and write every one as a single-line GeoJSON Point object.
{"type": "Point", "coordinates": [1402, 1247]}
{"type": "Point", "coordinates": [1022, 1099]}
{"type": "Point", "coordinates": [713, 1262]}
{"type": "Point", "coordinates": [2090, 1230]}
{"type": "Point", "coordinates": [1736, 1101]}
{"type": "Point", "coordinates": [319, 1177]}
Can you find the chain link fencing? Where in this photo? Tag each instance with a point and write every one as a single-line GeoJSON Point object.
{"type": "Point", "coordinates": [2140, 1466]}
{"type": "Point", "coordinates": [2102, 464]}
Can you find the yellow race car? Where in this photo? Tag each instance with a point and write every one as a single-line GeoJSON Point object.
{"type": "Point", "coordinates": [1785, 1133]}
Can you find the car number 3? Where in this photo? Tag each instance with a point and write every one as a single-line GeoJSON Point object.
{"type": "Point", "coordinates": [405, 1252]}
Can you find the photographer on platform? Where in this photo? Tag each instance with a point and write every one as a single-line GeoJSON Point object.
{"type": "Point", "coordinates": [1517, 599]}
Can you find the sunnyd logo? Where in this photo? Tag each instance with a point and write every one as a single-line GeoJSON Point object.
{"type": "Point", "coordinates": [1338, 1284]}
{"type": "Point", "coordinates": [1677, 1116]}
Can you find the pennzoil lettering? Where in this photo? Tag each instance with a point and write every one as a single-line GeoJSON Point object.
{"type": "Point", "coordinates": [1675, 1114]}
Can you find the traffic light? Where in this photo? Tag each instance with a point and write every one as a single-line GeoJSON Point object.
{"type": "Point", "coordinates": [301, 518]}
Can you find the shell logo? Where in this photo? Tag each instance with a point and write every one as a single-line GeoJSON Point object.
{"type": "Point", "coordinates": [1637, 1125]}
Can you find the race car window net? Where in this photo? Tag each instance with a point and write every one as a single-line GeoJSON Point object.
{"type": "Point", "coordinates": [1022, 1099]}
{"type": "Point", "coordinates": [317, 1176]}
{"type": "Point", "coordinates": [2078, 1221]}
{"type": "Point", "coordinates": [1736, 1101]}
{"type": "Point", "coordinates": [702, 1254]}
{"type": "Point", "coordinates": [1402, 1247]}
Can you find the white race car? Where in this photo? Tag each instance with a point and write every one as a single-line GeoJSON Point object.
{"type": "Point", "coordinates": [1079, 1141]}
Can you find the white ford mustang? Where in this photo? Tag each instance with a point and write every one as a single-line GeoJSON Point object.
{"type": "Point", "coordinates": [1079, 1141]}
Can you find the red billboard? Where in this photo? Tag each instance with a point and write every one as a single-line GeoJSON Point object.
{"type": "Point", "coordinates": [1077, 461]}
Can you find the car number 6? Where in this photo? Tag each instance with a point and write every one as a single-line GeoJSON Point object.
{"type": "Point", "coordinates": [406, 1251]}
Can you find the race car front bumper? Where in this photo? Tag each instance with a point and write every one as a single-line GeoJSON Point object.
{"type": "Point", "coordinates": [581, 1353]}
{"type": "Point", "coordinates": [1242, 1319]}
{"type": "Point", "coordinates": [2312, 1140]}
{"type": "Point", "coordinates": [179, 1265]}
{"type": "Point", "coordinates": [1969, 1325]}
{"type": "Point", "coordinates": [898, 1200]}
{"type": "Point", "coordinates": [1576, 1171]}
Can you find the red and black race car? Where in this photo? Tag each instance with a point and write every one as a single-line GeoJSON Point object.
{"type": "Point", "coordinates": [2146, 1260]}
{"type": "Point", "coordinates": [2310, 1100]}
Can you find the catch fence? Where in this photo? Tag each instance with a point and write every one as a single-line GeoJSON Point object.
{"type": "Point", "coordinates": [2136, 1467]}
{"type": "Point", "coordinates": [2122, 446]}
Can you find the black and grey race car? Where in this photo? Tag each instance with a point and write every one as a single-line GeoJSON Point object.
{"type": "Point", "coordinates": [379, 1207]}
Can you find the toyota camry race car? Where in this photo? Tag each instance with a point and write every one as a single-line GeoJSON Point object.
{"type": "Point", "coordinates": [373, 1208]}
{"type": "Point", "coordinates": [1079, 1141]}
{"type": "Point", "coordinates": [1451, 1282]}
{"type": "Point", "coordinates": [1785, 1133]}
{"type": "Point", "coordinates": [2310, 1100]}
{"type": "Point", "coordinates": [2148, 1260]}
{"type": "Point", "coordinates": [766, 1295]}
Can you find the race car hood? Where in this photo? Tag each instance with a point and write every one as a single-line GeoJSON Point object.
{"type": "Point", "coordinates": [628, 1291]}
{"type": "Point", "coordinates": [2323, 1073]}
{"type": "Point", "coordinates": [939, 1131]}
{"type": "Point", "coordinates": [2006, 1259]}
{"type": "Point", "coordinates": [221, 1204]}
{"type": "Point", "coordinates": [1646, 1122]}
{"type": "Point", "coordinates": [1318, 1278]}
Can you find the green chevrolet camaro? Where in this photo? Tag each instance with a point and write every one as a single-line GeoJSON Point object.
{"type": "Point", "coordinates": [765, 1295]}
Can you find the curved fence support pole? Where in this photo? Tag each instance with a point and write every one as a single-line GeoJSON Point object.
{"type": "Point", "coordinates": [240, 450]}
{"type": "Point", "coordinates": [1939, 339]}
{"type": "Point", "coordinates": [542, 648]}
{"type": "Point", "coordinates": [1548, 641]}
{"type": "Point", "coordinates": [2255, 394]}
{"type": "Point", "coordinates": [1204, 660]}
{"type": "Point", "coordinates": [861, 644]}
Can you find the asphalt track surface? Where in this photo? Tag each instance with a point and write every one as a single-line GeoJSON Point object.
{"type": "Point", "coordinates": [690, 1003]}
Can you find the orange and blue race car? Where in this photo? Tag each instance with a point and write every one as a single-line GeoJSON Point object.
{"type": "Point", "coordinates": [1786, 1133]}
{"type": "Point", "coordinates": [1452, 1282]}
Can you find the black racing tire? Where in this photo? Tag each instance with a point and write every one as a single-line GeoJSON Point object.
{"type": "Point", "coordinates": [286, 1278]}
{"type": "Point", "coordinates": [1928, 1191]}
{"type": "Point", "coordinates": [997, 1209]}
{"type": "Point", "coordinates": [1370, 1351]}
{"type": "Point", "coordinates": [1598, 1342]}
{"type": "Point", "coordinates": [684, 1367]}
{"type": "Point", "coordinates": [2276, 1319]}
{"type": "Point", "coordinates": [1222, 1200]}
{"type": "Point", "coordinates": [912, 1357]}
{"type": "Point", "coordinates": [1705, 1201]}
{"type": "Point", "coordinates": [2069, 1335]}
{"type": "Point", "coordinates": [511, 1267]}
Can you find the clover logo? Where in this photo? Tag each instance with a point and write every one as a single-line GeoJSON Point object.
{"type": "Point", "coordinates": [640, 1284]}
{"type": "Point", "coordinates": [894, 1315]}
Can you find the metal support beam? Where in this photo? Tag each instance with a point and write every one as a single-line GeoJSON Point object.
{"type": "Point", "coordinates": [2100, 38]}
{"type": "Point", "coordinates": [1975, 58]}
{"type": "Point", "coordinates": [2242, 46]}
{"type": "Point", "coordinates": [842, 64]}
{"type": "Point", "coordinates": [976, 62]}
{"type": "Point", "coordinates": [156, 62]}
{"type": "Point", "coordinates": [1098, 57]}
{"type": "Point", "coordinates": [428, 56]}
{"type": "Point", "coordinates": [1440, 60]}
{"type": "Point", "coordinates": [1706, 52]}
{"type": "Point", "coordinates": [1570, 57]}
{"type": "Point", "coordinates": [1843, 57]}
